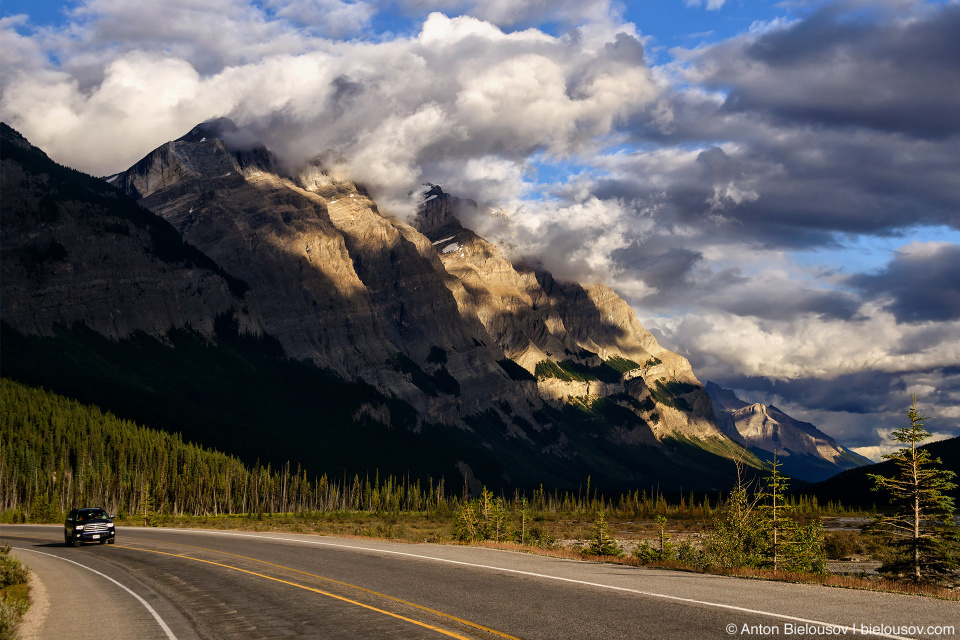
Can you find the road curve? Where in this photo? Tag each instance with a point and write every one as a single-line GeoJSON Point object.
{"type": "Point", "coordinates": [180, 584]}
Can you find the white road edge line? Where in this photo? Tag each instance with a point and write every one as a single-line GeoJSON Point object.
{"type": "Point", "coordinates": [844, 628]}
{"type": "Point", "coordinates": [153, 612]}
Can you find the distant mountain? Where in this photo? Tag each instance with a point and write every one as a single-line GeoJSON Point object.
{"type": "Point", "coordinates": [806, 452]}
{"type": "Point", "coordinates": [854, 488]}
{"type": "Point", "coordinates": [281, 316]}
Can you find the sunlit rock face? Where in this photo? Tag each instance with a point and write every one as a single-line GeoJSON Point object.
{"type": "Point", "coordinates": [544, 378]}
{"type": "Point", "coordinates": [805, 451]}
{"type": "Point", "coordinates": [340, 284]}
{"type": "Point", "coordinates": [536, 319]}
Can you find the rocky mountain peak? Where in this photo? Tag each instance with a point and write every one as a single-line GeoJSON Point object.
{"type": "Point", "coordinates": [439, 212]}
{"type": "Point", "coordinates": [521, 374]}
{"type": "Point", "coordinates": [215, 148]}
{"type": "Point", "coordinates": [724, 399]}
{"type": "Point", "coordinates": [216, 128]}
{"type": "Point", "coordinates": [806, 451]}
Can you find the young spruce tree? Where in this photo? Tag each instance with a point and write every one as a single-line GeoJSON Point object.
{"type": "Point", "coordinates": [791, 545]}
{"type": "Point", "coordinates": [921, 523]}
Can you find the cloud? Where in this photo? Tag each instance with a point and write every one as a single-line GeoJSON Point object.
{"type": "Point", "coordinates": [920, 284]}
{"type": "Point", "coordinates": [703, 190]}
{"type": "Point", "coordinates": [93, 131]}
{"type": "Point", "coordinates": [209, 35]}
{"type": "Point", "coordinates": [21, 54]}
{"type": "Point", "coordinates": [459, 90]}
{"type": "Point", "coordinates": [334, 18]}
{"type": "Point", "coordinates": [887, 73]}
{"type": "Point", "coordinates": [805, 346]}
{"type": "Point", "coordinates": [712, 5]}
{"type": "Point", "coordinates": [511, 13]}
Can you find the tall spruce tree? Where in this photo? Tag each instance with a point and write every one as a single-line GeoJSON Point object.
{"type": "Point", "coordinates": [791, 545]}
{"type": "Point", "coordinates": [921, 523]}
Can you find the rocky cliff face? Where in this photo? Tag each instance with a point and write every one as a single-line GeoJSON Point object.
{"type": "Point", "coordinates": [333, 280]}
{"type": "Point", "coordinates": [74, 251]}
{"type": "Point", "coordinates": [577, 340]}
{"type": "Point", "coordinates": [546, 379]}
{"type": "Point", "coordinates": [805, 451]}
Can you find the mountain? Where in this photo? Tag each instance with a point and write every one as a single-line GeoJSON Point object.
{"type": "Point", "coordinates": [74, 249]}
{"type": "Point", "coordinates": [854, 487]}
{"type": "Point", "coordinates": [806, 452]}
{"type": "Point", "coordinates": [279, 315]}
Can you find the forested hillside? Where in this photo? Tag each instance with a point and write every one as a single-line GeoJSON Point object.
{"type": "Point", "coordinates": [56, 453]}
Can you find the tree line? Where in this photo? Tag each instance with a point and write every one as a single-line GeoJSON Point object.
{"type": "Point", "coordinates": [57, 453]}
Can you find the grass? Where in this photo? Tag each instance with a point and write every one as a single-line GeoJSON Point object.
{"type": "Point", "coordinates": [828, 579]}
{"type": "Point", "coordinates": [406, 527]}
{"type": "Point", "coordinates": [14, 593]}
{"type": "Point", "coordinates": [558, 535]}
{"type": "Point", "coordinates": [570, 371]}
{"type": "Point", "coordinates": [621, 365]}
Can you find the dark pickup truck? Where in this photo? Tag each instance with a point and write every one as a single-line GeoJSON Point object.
{"type": "Point", "coordinates": [88, 525]}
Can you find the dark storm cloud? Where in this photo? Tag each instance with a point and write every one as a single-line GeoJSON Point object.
{"type": "Point", "coordinates": [843, 67]}
{"type": "Point", "coordinates": [918, 286]}
{"type": "Point", "coordinates": [679, 275]}
{"type": "Point", "coordinates": [808, 183]}
{"type": "Point", "coordinates": [858, 410]}
{"type": "Point", "coordinates": [845, 122]}
{"type": "Point", "coordinates": [861, 393]}
{"type": "Point", "coordinates": [779, 303]}
{"type": "Point", "coordinates": [668, 270]}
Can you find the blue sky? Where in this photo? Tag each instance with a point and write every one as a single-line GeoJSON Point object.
{"type": "Point", "coordinates": [771, 185]}
{"type": "Point", "coordinates": [669, 24]}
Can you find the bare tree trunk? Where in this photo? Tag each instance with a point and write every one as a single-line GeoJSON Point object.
{"type": "Point", "coordinates": [916, 516]}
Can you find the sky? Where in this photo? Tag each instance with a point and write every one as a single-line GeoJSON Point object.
{"type": "Point", "coordinates": [773, 187]}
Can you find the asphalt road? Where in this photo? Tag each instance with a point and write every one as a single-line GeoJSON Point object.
{"type": "Point", "coordinates": [184, 584]}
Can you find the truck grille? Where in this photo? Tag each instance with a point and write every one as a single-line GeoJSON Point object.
{"type": "Point", "coordinates": [95, 527]}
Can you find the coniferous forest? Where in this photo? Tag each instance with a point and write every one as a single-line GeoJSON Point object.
{"type": "Point", "coordinates": [56, 453]}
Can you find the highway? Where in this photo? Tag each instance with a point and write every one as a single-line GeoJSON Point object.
{"type": "Point", "coordinates": [184, 584]}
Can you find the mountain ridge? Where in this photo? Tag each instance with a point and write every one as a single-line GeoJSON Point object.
{"type": "Point", "coordinates": [805, 451]}
{"type": "Point", "coordinates": [529, 375]}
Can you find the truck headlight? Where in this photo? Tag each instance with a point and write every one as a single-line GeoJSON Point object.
{"type": "Point", "coordinates": [109, 525]}
{"type": "Point", "coordinates": [79, 527]}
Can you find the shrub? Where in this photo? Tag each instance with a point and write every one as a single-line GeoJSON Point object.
{"type": "Point", "coordinates": [484, 518]}
{"type": "Point", "coordinates": [14, 600]}
{"type": "Point", "coordinates": [12, 570]}
{"type": "Point", "coordinates": [601, 544]}
{"type": "Point", "coordinates": [838, 545]}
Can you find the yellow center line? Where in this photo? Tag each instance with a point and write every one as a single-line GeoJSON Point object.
{"type": "Point", "coordinates": [474, 625]}
{"type": "Point", "coordinates": [441, 614]}
{"type": "Point", "coordinates": [306, 588]}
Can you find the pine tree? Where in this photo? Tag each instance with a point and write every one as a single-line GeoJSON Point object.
{"type": "Point", "coordinates": [791, 546]}
{"type": "Point", "coordinates": [41, 510]}
{"type": "Point", "coordinates": [666, 549]}
{"type": "Point", "coordinates": [523, 507]}
{"type": "Point", "coordinates": [146, 505]}
{"type": "Point", "coordinates": [601, 544]}
{"type": "Point", "coordinates": [772, 511]}
{"type": "Point", "coordinates": [921, 524]}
